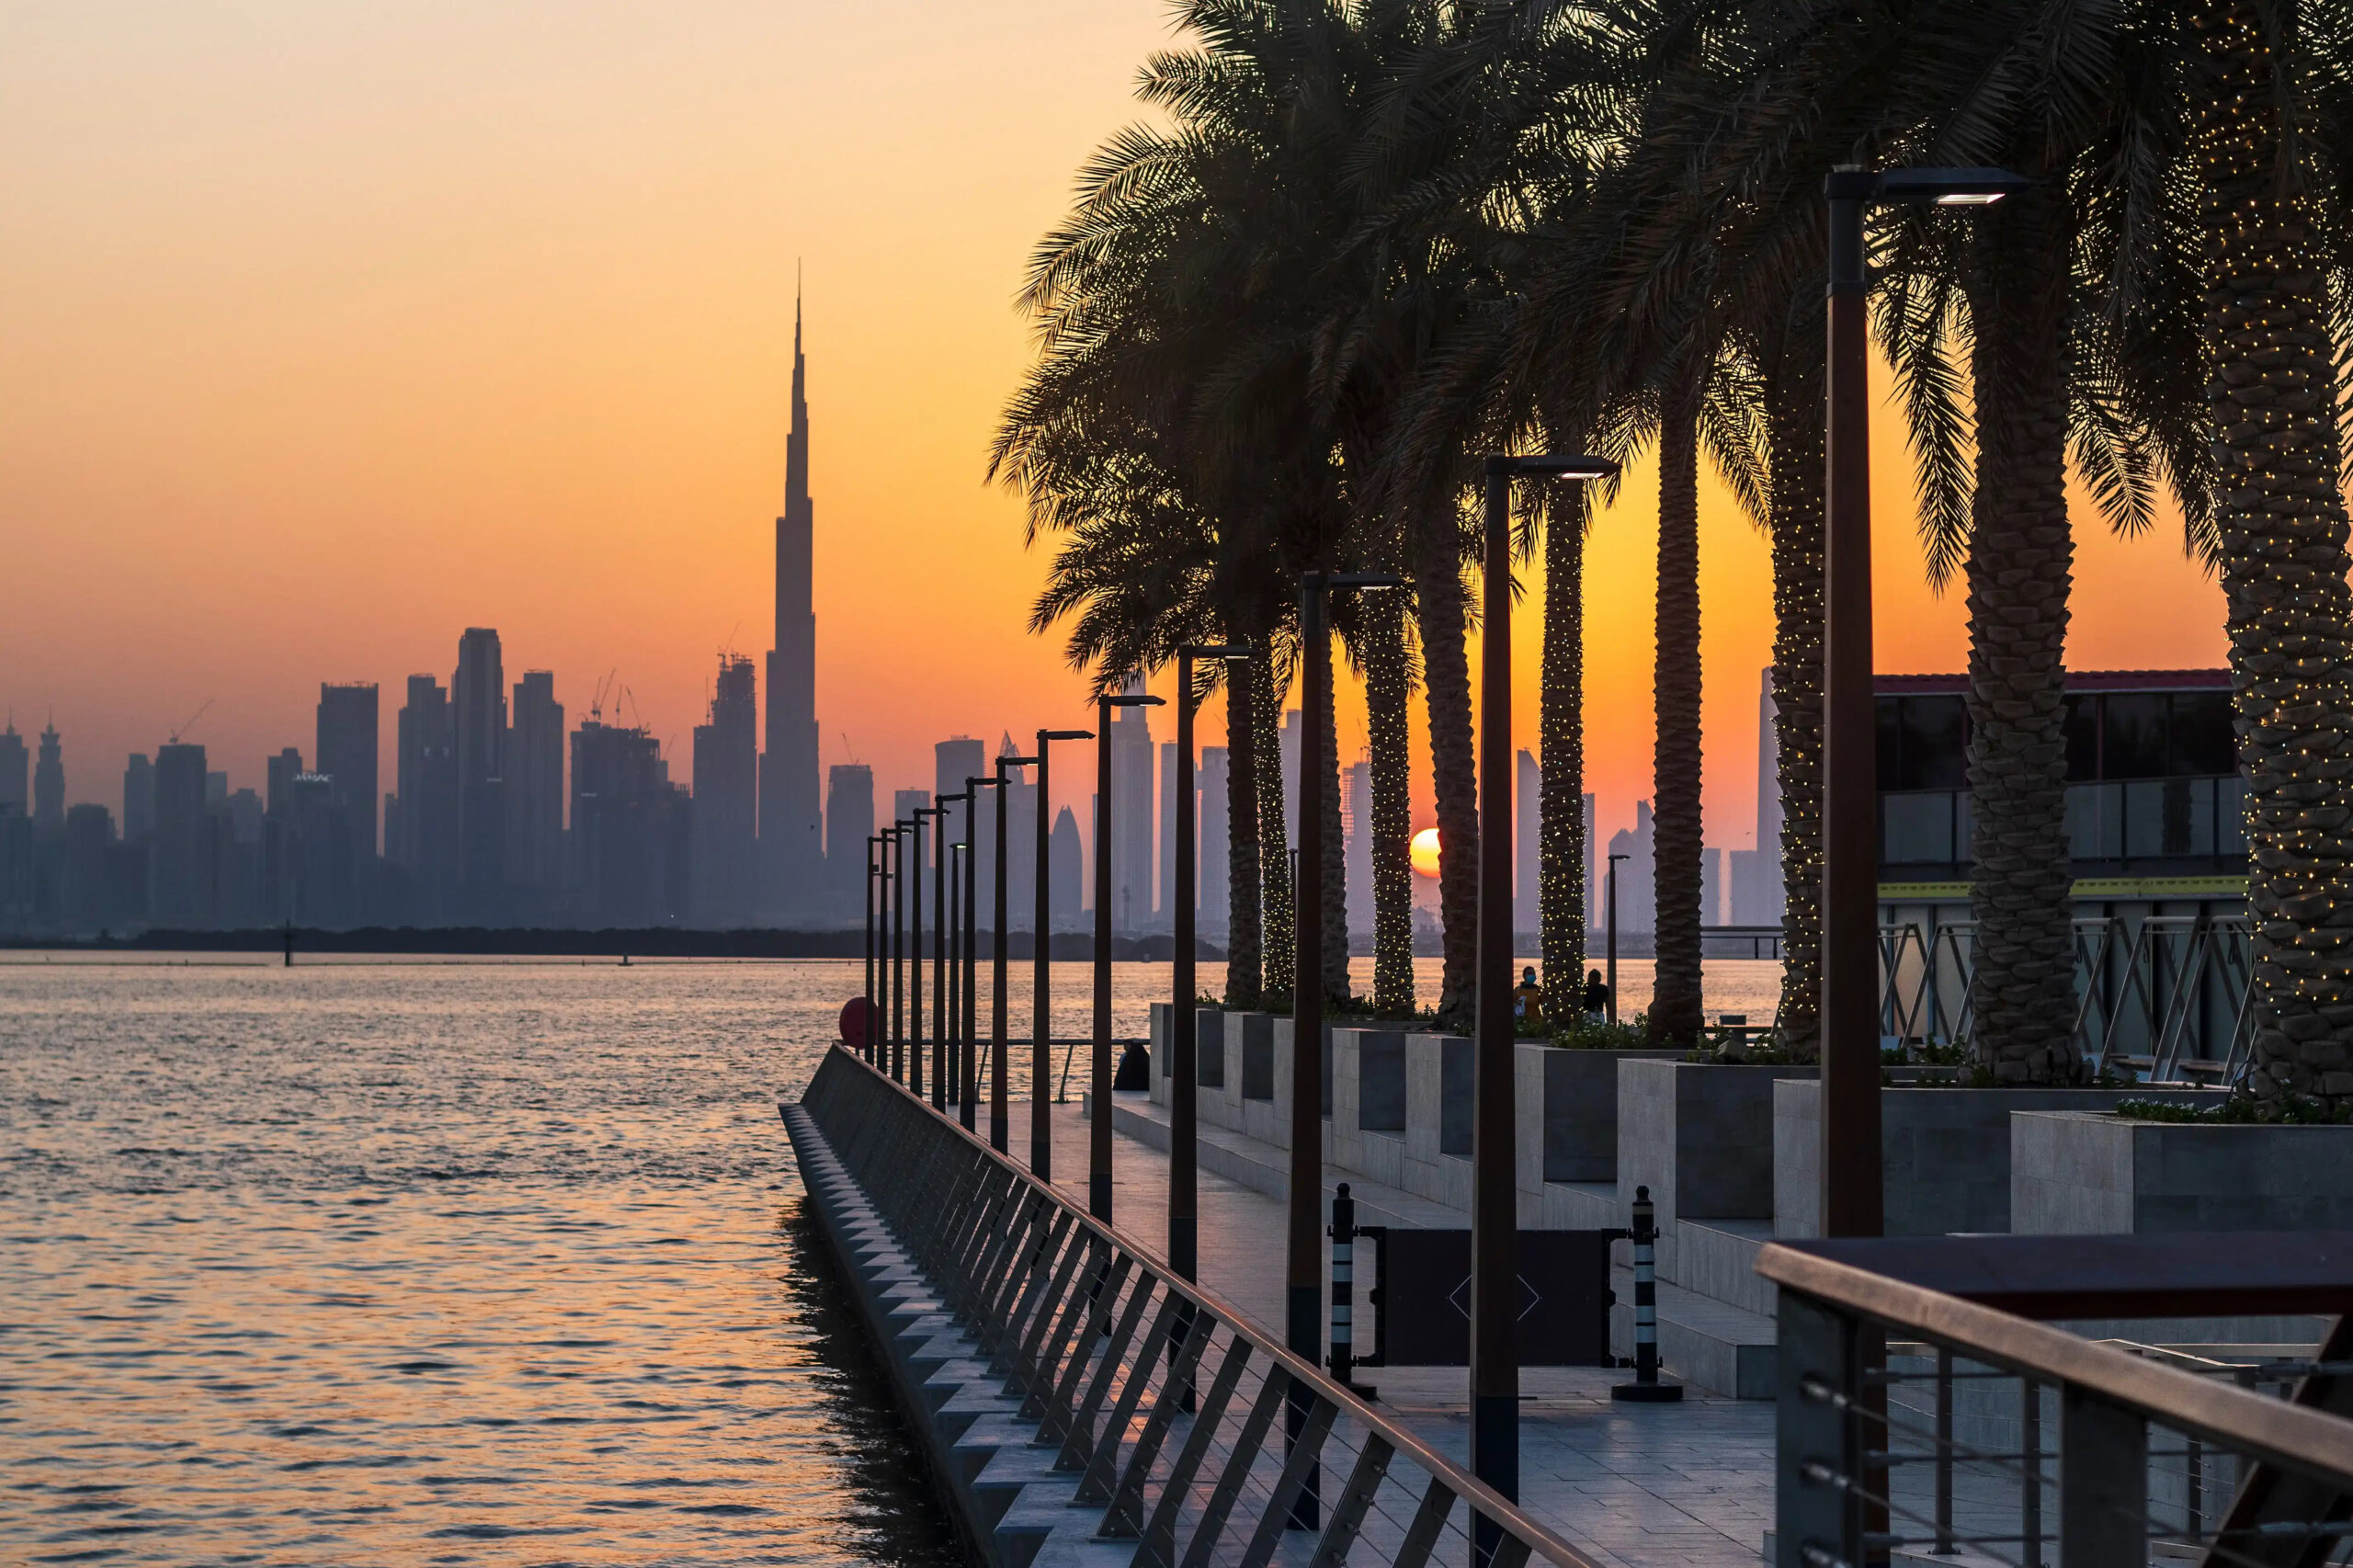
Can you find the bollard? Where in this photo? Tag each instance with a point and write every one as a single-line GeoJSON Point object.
{"type": "Point", "coordinates": [1646, 1388]}
{"type": "Point", "coordinates": [1344, 1248]}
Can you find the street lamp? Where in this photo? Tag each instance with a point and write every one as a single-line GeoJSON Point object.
{"type": "Point", "coordinates": [1042, 990]}
{"type": "Point", "coordinates": [914, 958]}
{"type": "Point", "coordinates": [1852, 1198]}
{"type": "Point", "coordinates": [998, 1130]}
{"type": "Point", "coordinates": [1303, 1302]}
{"type": "Point", "coordinates": [1184, 1043]}
{"type": "Point", "coordinates": [869, 993]}
{"type": "Point", "coordinates": [1613, 934]}
{"type": "Point", "coordinates": [1099, 1129]}
{"type": "Point", "coordinates": [940, 1067]}
{"type": "Point", "coordinates": [969, 1036]}
{"type": "Point", "coordinates": [1494, 1207]}
{"type": "Point", "coordinates": [893, 879]}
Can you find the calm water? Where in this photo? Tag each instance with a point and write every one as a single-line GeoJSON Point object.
{"type": "Point", "coordinates": [447, 1263]}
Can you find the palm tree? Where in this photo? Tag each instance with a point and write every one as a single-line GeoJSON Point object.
{"type": "Point", "coordinates": [1560, 826]}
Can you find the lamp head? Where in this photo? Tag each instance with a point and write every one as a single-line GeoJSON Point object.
{"type": "Point", "coordinates": [1549, 465]}
{"type": "Point", "coordinates": [1045, 735]}
{"type": "Point", "coordinates": [1005, 762]}
{"type": "Point", "coordinates": [1368, 581]}
{"type": "Point", "coordinates": [1949, 188]}
{"type": "Point", "coordinates": [1213, 650]}
{"type": "Point", "coordinates": [1123, 701]}
{"type": "Point", "coordinates": [973, 784]}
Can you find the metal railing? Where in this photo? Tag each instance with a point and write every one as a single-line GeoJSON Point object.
{"type": "Point", "coordinates": [1190, 1432]}
{"type": "Point", "coordinates": [1927, 1405]}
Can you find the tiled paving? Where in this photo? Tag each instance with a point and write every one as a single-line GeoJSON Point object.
{"type": "Point", "coordinates": [1686, 1485]}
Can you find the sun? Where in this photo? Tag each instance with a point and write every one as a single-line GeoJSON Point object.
{"type": "Point", "coordinates": [1424, 852]}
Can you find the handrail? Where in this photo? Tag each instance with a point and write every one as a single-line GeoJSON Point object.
{"type": "Point", "coordinates": [2288, 1434]}
{"type": "Point", "coordinates": [1481, 1496]}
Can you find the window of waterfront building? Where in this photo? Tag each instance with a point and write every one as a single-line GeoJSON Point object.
{"type": "Point", "coordinates": [2133, 735]}
{"type": "Point", "coordinates": [2201, 744]}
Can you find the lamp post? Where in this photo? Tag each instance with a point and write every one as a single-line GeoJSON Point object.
{"type": "Point", "coordinates": [939, 1067]}
{"type": "Point", "coordinates": [1495, 1207]}
{"type": "Point", "coordinates": [1099, 1129]}
{"type": "Point", "coordinates": [1613, 935]}
{"type": "Point", "coordinates": [869, 993]}
{"type": "Point", "coordinates": [1184, 1043]}
{"type": "Point", "coordinates": [1852, 1196]}
{"type": "Point", "coordinates": [895, 888]}
{"type": "Point", "coordinates": [886, 841]}
{"type": "Point", "coordinates": [1041, 989]}
{"type": "Point", "coordinates": [970, 1038]}
{"type": "Point", "coordinates": [998, 1130]}
{"type": "Point", "coordinates": [915, 957]}
{"type": "Point", "coordinates": [1305, 1297]}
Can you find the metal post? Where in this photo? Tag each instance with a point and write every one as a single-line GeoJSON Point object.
{"type": "Point", "coordinates": [1646, 1388]}
{"type": "Point", "coordinates": [1611, 884]}
{"type": "Point", "coordinates": [1944, 1543]}
{"type": "Point", "coordinates": [866, 894]}
{"type": "Point", "coordinates": [898, 891]}
{"type": "Point", "coordinates": [914, 960]}
{"type": "Point", "coordinates": [1303, 1256]}
{"type": "Point", "coordinates": [959, 965]}
{"type": "Point", "coordinates": [1183, 1030]}
{"type": "Point", "coordinates": [1852, 1201]}
{"type": "Point", "coordinates": [999, 1116]}
{"type": "Point", "coordinates": [1042, 1006]}
{"type": "Point", "coordinates": [972, 788]}
{"type": "Point", "coordinates": [1099, 1129]}
{"type": "Point", "coordinates": [939, 870]}
{"type": "Point", "coordinates": [1494, 1197]}
{"type": "Point", "coordinates": [1344, 1238]}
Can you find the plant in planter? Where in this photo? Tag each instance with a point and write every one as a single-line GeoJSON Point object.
{"type": "Point", "coordinates": [1591, 1034]}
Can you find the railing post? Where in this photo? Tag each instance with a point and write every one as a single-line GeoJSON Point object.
{"type": "Point", "coordinates": [1819, 1460]}
{"type": "Point", "coordinates": [1944, 1450]}
{"type": "Point", "coordinates": [2103, 1483]}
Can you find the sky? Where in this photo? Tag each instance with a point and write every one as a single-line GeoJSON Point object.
{"type": "Point", "coordinates": [329, 330]}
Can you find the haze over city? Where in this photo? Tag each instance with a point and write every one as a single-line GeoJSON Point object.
{"type": "Point", "coordinates": [332, 334]}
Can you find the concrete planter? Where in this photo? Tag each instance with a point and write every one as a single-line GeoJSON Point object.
{"type": "Point", "coordinates": [1573, 1137]}
{"type": "Point", "coordinates": [2074, 1172]}
{"type": "Point", "coordinates": [1699, 1136]}
{"type": "Point", "coordinates": [1946, 1152]}
{"type": "Point", "coordinates": [1209, 1050]}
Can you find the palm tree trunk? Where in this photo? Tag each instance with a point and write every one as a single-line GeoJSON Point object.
{"type": "Point", "coordinates": [1560, 831]}
{"type": "Point", "coordinates": [1674, 1015]}
{"type": "Point", "coordinates": [1446, 672]}
{"type": "Point", "coordinates": [1795, 406]}
{"type": "Point", "coordinates": [1243, 950]}
{"type": "Point", "coordinates": [1274, 838]}
{"type": "Point", "coordinates": [2020, 567]}
{"type": "Point", "coordinates": [1389, 680]}
{"type": "Point", "coordinates": [2281, 521]}
{"type": "Point", "coordinates": [1334, 957]}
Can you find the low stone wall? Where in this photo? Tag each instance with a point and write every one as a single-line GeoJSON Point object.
{"type": "Point", "coordinates": [1699, 1136]}
{"type": "Point", "coordinates": [2080, 1174]}
{"type": "Point", "coordinates": [1946, 1152]}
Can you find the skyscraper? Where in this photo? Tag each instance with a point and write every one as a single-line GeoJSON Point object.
{"type": "Point", "coordinates": [180, 886]}
{"type": "Point", "coordinates": [727, 826]}
{"type": "Point", "coordinates": [850, 822]}
{"type": "Point", "coordinates": [1592, 881]}
{"type": "Point", "coordinates": [630, 858]}
{"type": "Point", "coordinates": [1757, 895]}
{"type": "Point", "coordinates": [278, 773]}
{"type": "Point", "coordinates": [1065, 874]}
{"type": "Point", "coordinates": [1527, 852]}
{"type": "Point", "coordinates": [425, 774]}
{"type": "Point", "coordinates": [534, 768]}
{"type": "Point", "coordinates": [346, 755]}
{"type": "Point", "coordinates": [14, 762]}
{"type": "Point", "coordinates": [49, 786]}
{"type": "Point", "coordinates": [1132, 860]}
{"type": "Point", "coordinates": [1637, 879]}
{"type": "Point", "coordinates": [138, 794]}
{"type": "Point", "coordinates": [1215, 846]}
{"type": "Point", "coordinates": [902, 809]}
{"type": "Point", "coordinates": [791, 840]}
{"type": "Point", "coordinates": [478, 715]}
{"type": "Point", "coordinates": [1355, 830]}
{"type": "Point", "coordinates": [953, 761]}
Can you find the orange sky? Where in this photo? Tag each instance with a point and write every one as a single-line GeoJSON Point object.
{"type": "Point", "coordinates": [329, 330]}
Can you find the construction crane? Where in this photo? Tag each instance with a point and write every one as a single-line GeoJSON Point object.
{"type": "Point", "coordinates": [189, 723]}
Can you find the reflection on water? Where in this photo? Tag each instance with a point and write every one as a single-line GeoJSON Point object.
{"type": "Point", "coordinates": [448, 1262]}
{"type": "Point", "coordinates": [473, 1264]}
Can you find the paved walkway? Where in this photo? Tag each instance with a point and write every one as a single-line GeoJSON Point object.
{"type": "Point", "coordinates": [1686, 1485]}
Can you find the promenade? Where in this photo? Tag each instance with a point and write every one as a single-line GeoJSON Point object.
{"type": "Point", "coordinates": [1688, 1485]}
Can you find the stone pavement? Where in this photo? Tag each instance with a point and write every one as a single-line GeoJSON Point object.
{"type": "Point", "coordinates": [1686, 1485]}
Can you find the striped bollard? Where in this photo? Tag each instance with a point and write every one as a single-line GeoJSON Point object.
{"type": "Point", "coordinates": [1344, 1248]}
{"type": "Point", "coordinates": [1646, 1388]}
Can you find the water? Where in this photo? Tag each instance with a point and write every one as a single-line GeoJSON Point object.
{"type": "Point", "coordinates": [470, 1262]}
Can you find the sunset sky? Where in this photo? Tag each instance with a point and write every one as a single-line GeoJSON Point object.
{"type": "Point", "coordinates": [329, 330]}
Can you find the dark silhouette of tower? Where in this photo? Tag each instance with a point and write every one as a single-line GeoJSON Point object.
{"type": "Point", "coordinates": [478, 707]}
{"type": "Point", "coordinates": [346, 755]}
{"type": "Point", "coordinates": [534, 774]}
{"type": "Point", "coordinates": [849, 822]}
{"type": "Point", "coordinates": [49, 786]}
{"type": "Point", "coordinates": [425, 842]}
{"type": "Point", "coordinates": [726, 812]}
{"type": "Point", "coordinates": [181, 891]}
{"type": "Point", "coordinates": [791, 857]}
{"type": "Point", "coordinates": [14, 760]}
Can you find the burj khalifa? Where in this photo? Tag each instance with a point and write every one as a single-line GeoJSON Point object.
{"type": "Point", "coordinates": [791, 839]}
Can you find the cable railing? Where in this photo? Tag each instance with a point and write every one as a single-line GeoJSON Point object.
{"type": "Point", "coordinates": [1188, 1431]}
{"type": "Point", "coordinates": [1928, 1406]}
